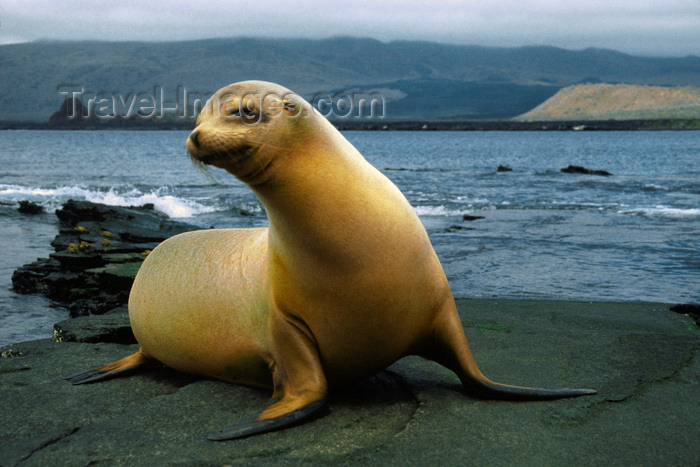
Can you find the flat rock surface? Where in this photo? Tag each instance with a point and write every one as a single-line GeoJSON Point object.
{"type": "Point", "coordinates": [642, 359]}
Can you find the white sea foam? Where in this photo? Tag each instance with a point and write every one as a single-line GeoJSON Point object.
{"type": "Point", "coordinates": [167, 204]}
{"type": "Point", "coordinates": [663, 211]}
{"type": "Point", "coordinates": [439, 211]}
{"type": "Point", "coordinates": [653, 187]}
{"type": "Point", "coordinates": [170, 205]}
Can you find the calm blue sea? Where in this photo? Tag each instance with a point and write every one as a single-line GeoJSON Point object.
{"type": "Point", "coordinates": [634, 236]}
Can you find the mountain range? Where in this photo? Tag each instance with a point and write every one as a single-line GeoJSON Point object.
{"type": "Point", "coordinates": [416, 80]}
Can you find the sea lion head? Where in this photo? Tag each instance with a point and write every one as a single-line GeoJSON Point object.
{"type": "Point", "coordinates": [244, 127]}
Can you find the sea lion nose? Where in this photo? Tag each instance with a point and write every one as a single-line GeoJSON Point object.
{"type": "Point", "coordinates": [194, 136]}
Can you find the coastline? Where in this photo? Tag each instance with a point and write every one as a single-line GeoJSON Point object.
{"type": "Point", "coordinates": [642, 359]}
{"type": "Point", "coordinates": [380, 124]}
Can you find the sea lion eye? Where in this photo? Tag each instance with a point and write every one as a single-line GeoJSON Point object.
{"type": "Point", "coordinates": [249, 108]}
{"type": "Point", "coordinates": [290, 108]}
{"type": "Point", "coordinates": [235, 112]}
{"type": "Point", "coordinates": [240, 111]}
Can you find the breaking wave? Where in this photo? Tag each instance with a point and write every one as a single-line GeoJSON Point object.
{"type": "Point", "coordinates": [168, 204]}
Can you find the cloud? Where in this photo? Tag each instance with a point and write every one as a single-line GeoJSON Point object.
{"type": "Point", "coordinates": [666, 27]}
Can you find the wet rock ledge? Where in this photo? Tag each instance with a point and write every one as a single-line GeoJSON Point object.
{"type": "Point", "coordinates": [98, 251]}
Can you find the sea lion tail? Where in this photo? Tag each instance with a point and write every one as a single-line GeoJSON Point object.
{"type": "Point", "coordinates": [126, 365]}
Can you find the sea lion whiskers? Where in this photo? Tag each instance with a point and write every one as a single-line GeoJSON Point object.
{"type": "Point", "coordinates": [201, 166]}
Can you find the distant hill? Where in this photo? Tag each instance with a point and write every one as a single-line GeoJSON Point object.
{"type": "Point", "coordinates": [618, 102]}
{"type": "Point", "coordinates": [420, 80]}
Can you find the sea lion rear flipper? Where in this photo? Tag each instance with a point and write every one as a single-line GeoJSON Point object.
{"type": "Point", "coordinates": [299, 382]}
{"type": "Point", "coordinates": [448, 346]}
{"type": "Point", "coordinates": [125, 365]}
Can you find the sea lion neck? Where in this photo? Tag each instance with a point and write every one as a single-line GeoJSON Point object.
{"type": "Point", "coordinates": [323, 198]}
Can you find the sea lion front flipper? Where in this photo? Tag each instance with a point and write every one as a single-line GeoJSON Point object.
{"type": "Point", "coordinates": [254, 426]}
{"type": "Point", "coordinates": [299, 382]}
{"type": "Point", "coordinates": [125, 365]}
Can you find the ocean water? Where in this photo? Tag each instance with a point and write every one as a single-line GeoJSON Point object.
{"type": "Point", "coordinates": [634, 236]}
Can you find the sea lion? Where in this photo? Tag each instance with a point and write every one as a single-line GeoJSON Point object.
{"type": "Point", "coordinates": [342, 283]}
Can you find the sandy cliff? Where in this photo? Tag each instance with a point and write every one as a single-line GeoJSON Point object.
{"type": "Point", "coordinates": [618, 102]}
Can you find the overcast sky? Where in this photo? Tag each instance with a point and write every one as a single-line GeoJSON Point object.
{"type": "Point", "coordinates": [642, 27]}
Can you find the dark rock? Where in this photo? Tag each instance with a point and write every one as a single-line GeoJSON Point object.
{"type": "Point", "coordinates": [29, 279]}
{"type": "Point", "coordinates": [689, 309]}
{"type": "Point", "coordinates": [455, 228]}
{"type": "Point", "coordinates": [577, 169]}
{"type": "Point", "coordinates": [112, 327]}
{"type": "Point", "coordinates": [116, 277]}
{"type": "Point", "coordinates": [95, 301]}
{"type": "Point", "coordinates": [29, 207]}
{"type": "Point", "coordinates": [78, 261]}
{"type": "Point", "coordinates": [469, 217]}
{"type": "Point", "coordinates": [503, 168]}
{"type": "Point", "coordinates": [74, 211]}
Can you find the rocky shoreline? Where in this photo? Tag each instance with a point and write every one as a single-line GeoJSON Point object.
{"type": "Point", "coordinates": [98, 251]}
{"type": "Point", "coordinates": [642, 359]}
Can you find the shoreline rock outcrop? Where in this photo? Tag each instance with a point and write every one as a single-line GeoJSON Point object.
{"type": "Point", "coordinates": [98, 251]}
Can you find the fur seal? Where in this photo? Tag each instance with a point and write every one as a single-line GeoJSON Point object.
{"type": "Point", "coordinates": [342, 283]}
